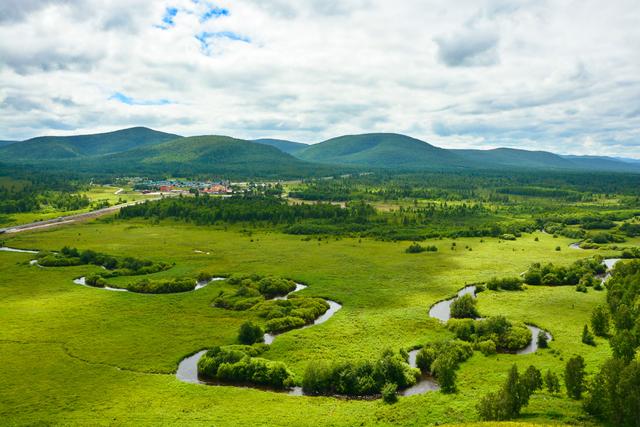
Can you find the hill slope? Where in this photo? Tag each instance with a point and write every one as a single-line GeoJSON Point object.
{"type": "Point", "coordinates": [510, 157]}
{"type": "Point", "coordinates": [383, 150]}
{"type": "Point", "coordinates": [69, 147]}
{"type": "Point", "coordinates": [221, 155]}
{"type": "Point", "coordinates": [5, 143]}
{"type": "Point", "coordinates": [285, 146]}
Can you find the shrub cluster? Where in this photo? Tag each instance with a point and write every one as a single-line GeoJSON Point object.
{"type": "Point", "coordinates": [165, 286]}
{"type": "Point", "coordinates": [239, 364]}
{"type": "Point", "coordinates": [506, 284]}
{"type": "Point", "coordinates": [416, 248]}
{"type": "Point", "coordinates": [360, 378]}
{"type": "Point", "coordinates": [127, 266]}
{"type": "Point", "coordinates": [464, 307]}
{"type": "Point", "coordinates": [441, 359]}
{"type": "Point", "coordinates": [253, 290]}
{"type": "Point", "coordinates": [505, 335]}
{"type": "Point", "coordinates": [553, 275]}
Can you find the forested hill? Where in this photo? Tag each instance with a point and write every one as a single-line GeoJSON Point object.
{"type": "Point", "coordinates": [394, 151]}
{"type": "Point", "coordinates": [218, 155]}
{"type": "Point", "coordinates": [285, 146]}
{"type": "Point", "coordinates": [384, 150]}
{"type": "Point", "coordinates": [77, 146]}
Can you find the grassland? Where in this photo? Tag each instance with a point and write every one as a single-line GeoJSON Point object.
{"type": "Point", "coordinates": [76, 355]}
{"type": "Point", "coordinates": [96, 194]}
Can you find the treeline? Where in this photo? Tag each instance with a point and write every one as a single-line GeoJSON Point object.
{"type": "Point", "coordinates": [31, 193]}
{"type": "Point", "coordinates": [207, 210]}
{"type": "Point", "coordinates": [356, 219]}
{"type": "Point", "coordinates": [581, 273]}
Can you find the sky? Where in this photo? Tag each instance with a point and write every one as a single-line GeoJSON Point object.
{"type": "Point", "coordinates": [561, 75]}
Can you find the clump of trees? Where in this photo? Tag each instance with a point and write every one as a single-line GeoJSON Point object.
{"type": "Point", "coordinates": [385, 376]}
{"type": "Point", "coordinates": [614, 393]}
{"type": "Point", "coordinates": [505, 284]}
{"type": "Point", "coordinates": [157, 286]}
{"type": "Point", "coordinates": [515, 393]}
{"type": "Point", "coordinates": [240, 364]}
{"type": "Point", "coordinates": [581, 271]}
{"type": "Point", "coordinates": [464, 307]}
{"type": "Point", "coordinates": [496, 332]}
{"type": "Point", "coordinates": [416, 248]}
{"type": "Point", "coordinates": [115, 266]}
{"type": "Point", "coordinates": [252, 290]}
{"type": "Point", "coordinates": [280, 314]}
{"type": "Point", "coordinates": [441, 359]}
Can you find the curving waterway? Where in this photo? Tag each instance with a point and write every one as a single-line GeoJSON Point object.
{"type": "Point", "coordinates": [442, 311]}
{"type": "Point", "coordinates": [188, 367]}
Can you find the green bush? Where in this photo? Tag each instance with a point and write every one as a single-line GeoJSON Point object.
{"type": "Point", "coordinates": [250, 333]}
{"type": "Point", "coordinates": [282, 324]}
{"type": "Point", "coordinates": [359, 378]}
{"type": "Point", "coordinates": [239, 365]}
{"type": "Point", "coordinates": [147, 286]}
{"type": "Point", "coordinates": [587, 337]}
{"type": "Point", "coordinates": [506, 283]}
{"type": "Point", "coordinates": [487, 347]}
{"type": "Point", "coordinates": [543, 340]}
{"type": "Point", "coordinates": [389, 393]}
{"type": "Point", "coordinates": [464, 307]}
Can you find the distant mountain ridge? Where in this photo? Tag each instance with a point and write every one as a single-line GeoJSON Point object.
{"type": "Point", "coordinates": [68, 147]}
{"type": "Point", "coordinates": [381, 150]}
{"type": "Point", "coordinates": [283, 145]}
{"type": "Point", "coordinates": [140, 149]}
{"type": "Point", "coordinates": [209, 154]}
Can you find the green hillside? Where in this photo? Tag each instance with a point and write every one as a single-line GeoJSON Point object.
{"type": "Point", "coordinates": [77, 146]}
{"type": "Point", "coordinates": [210, 155]}
{"type": "Point", "coordinates": [285, 146]}
{"type": "Point", "coordinates": [381, 150]}
{"type": "Point", "coordinates": [509, 157]}
{"type": "Point", "coordinates": [5, 143]}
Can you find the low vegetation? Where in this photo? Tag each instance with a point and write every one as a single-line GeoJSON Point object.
{"type": "Point", "coordinates": [384, 376]}
{"type": "Point", "coordinates": [493, 332]}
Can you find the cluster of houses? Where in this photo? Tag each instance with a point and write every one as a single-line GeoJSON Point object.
{"type": "Point", "coordinates": [146, 186]}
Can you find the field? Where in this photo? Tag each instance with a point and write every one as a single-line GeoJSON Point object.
{"type": "Point", "coordinates": [76, 355]}
{"type": "Point", "coordinates": [95, 193]}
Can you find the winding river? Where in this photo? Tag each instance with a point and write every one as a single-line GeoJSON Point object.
{"type": "Point", "coordinates": [188, 367]}
{"type": "Point", "coordinates": [442, 311]}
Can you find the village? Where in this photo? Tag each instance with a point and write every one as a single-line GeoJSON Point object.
{"type": "Point", "coordinates": [149, 186]}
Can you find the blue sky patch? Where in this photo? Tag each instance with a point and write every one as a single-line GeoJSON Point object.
{"type": "Point", "coordinates": [214, 12]}
{"type": "Point", "coordinates": [121, 97]}
{"type": "Point", "coordinates": [167, 18]}
{"type": "Point", "coordinates": [205, 37]}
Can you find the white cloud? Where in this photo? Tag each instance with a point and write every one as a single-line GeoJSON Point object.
{"type": "Point", "coordinates": [561, 76]}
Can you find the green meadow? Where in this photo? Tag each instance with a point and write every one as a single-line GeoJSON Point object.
{"type": "Point", "coordinates": [78, 355]}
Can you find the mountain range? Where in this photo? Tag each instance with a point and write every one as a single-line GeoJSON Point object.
{"type": "Point", "coordinates": [142, 150]}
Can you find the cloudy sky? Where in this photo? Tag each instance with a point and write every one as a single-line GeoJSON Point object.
{"type": "Point", "coordinates": [552, 75]}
